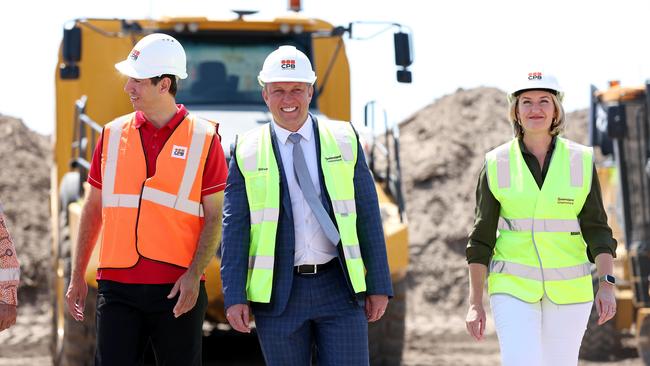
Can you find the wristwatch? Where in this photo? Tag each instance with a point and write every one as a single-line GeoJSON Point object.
{"type": "Point", "coordinates": [608, 278]}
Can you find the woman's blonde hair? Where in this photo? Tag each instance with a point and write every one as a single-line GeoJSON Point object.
{"type": "Point", "coordinates": [557, 126]}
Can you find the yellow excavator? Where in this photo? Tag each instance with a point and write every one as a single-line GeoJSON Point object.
{"type": "Point", "coordinates": [224, 58]}
{"type": "Point", "coordinates": [619, 126]}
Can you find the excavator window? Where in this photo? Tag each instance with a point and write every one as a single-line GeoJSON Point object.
{"type": "Point", "coordinates": [225, 72]}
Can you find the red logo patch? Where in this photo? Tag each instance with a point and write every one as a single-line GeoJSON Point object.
{"type": "Point", "coordinates": [134, 55]}
{"type": "Point", "coordinates": [288, 64]}
{"type": "Point", "coordinates": [534, 75]}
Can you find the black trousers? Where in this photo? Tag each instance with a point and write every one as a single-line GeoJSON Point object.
{"type": "Point", "coordinates": [131, 315]}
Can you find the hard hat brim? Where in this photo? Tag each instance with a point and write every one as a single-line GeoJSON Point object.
{"type": "Point", "coordinates": [512, 96]}
{"type": "Point", "coordinates": [126, 68]}
{"type": "Point", "coordinates": [286, 80]}
{"type": "Point", "coordinates": [552, 91]}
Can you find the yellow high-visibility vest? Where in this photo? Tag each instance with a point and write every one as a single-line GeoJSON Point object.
{"type": "Point", "coordinates": [540, 249]}
{"type": "Point", "coordinates": [259, 167]}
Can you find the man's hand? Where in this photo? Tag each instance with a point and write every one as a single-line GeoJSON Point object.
{"type": "Point", "coordinates": [188, 285]}
{"type": "Point", "coordinates": [89, 227]}
{"type": "Point", "coordinates": [75, 297]}
{"type": "Point", "coordinates": [239, 317]}
{"type": "Point", "coordinates": [375, 307]}
{"type": "Point", "coordinates": [7, 316]}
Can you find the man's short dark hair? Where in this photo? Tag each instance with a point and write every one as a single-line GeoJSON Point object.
{"type": "Point", "coordinates": [173, 87]}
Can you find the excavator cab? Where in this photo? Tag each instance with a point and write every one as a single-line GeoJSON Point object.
{"type": "Point", "coordinates": [224, 57]}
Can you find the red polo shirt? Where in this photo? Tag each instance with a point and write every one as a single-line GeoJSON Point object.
{"type": "Point", "coordinates": [147, 271]}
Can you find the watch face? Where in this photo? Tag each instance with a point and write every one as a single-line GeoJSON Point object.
{"type": "Point", "coordinates": [608, 278]}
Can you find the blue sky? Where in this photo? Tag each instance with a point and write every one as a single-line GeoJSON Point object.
{"type": "Point", "coordinates": [460, 43]}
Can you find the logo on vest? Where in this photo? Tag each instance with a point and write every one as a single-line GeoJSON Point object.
{"type": "Point", "coordinates": [332, 159]}
{"type": "Point", "coordinates": [179, 152]}
{"type": "Point", "coordinates": [564, 201]}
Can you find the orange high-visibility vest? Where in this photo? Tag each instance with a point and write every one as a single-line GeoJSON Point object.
{"type": "Point", "coordinates": [160, 217]}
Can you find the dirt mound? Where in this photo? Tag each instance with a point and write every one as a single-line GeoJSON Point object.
{"type": "Point", "coordinates": [442, 151]}
{"type": "Point", "coordinates": [24, 193]}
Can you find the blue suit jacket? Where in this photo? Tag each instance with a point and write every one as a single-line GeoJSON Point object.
{"type": "Point", "coordinates": [236, 236]}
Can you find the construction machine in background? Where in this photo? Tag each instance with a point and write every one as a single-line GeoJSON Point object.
{"type": "Point", "coordinates": [619, 126]}
{"type": "Point", "coordinates": [224, 58]}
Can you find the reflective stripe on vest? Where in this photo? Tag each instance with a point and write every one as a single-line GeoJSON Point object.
{"type": "Point", "coordinates": [159, 217]}
{"type": "Point", "coordinates": [540, 249]}
{"type": "Point", "coordinates": [109, 197]}
{"type": "Point", "coordinates": [264, 214]}
{"type": "Point", "coordinates": [539, 225]}
{"type": "Point", "coordinates": [261, 262]}
{"type": "Point", "coordinates": [533, 273]}
{"type": "Point", "coordinates": [256, 160]}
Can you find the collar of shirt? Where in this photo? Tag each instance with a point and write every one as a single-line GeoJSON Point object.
{"type": "Point", "coordinates": [141, 120]}
{"type": "Point", "coordinates": [524, 149]}
{"type": "Point", "coordinates": [306, 131]}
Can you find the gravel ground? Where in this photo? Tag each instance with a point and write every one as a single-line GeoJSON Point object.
{"type": "Point", "coordinates": [26, 344]}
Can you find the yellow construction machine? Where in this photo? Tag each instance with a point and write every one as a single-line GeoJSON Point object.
{"type": "Point", "coordinates": [224, 58]}
{"type": "Point", "coordinates": [619, 126]}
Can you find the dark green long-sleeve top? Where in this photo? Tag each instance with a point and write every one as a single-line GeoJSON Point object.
{"type": "Point", "coordinates": [593, 219]}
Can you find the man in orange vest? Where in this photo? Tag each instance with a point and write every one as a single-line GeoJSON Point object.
{"type": "Point", "coordinates": [156, 187]}
{"type": "Point", "coordinates": [9, 277]}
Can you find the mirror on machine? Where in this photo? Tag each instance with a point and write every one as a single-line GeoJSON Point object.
{"type": "Point", "coordinates": [403, 56]}
{"type": "Point", "coordinates": [71, 52]}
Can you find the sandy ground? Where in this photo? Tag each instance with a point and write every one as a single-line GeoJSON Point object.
{"type": "Point", "coordinates": [440, 342]}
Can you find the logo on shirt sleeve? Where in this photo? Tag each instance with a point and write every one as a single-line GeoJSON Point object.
{"type": "Point", "coordinates": [179, 152]}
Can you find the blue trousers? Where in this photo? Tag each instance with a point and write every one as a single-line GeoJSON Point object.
{"type": "Point", "coordinates": [320, 313]}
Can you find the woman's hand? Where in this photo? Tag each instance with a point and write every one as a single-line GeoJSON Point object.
{"type": "Point", "coordinates": [605, 299]}
{"type": "Point", "coordinates": [605, 302]}
{"type": "Point", "coordinates": [475, 321]}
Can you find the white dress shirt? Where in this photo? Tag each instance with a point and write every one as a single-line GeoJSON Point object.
{"type": "Point", "coordinates": [312, 246]}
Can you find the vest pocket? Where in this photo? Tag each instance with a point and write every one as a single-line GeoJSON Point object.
{"type": "Point", "coordinates": [256, 188]}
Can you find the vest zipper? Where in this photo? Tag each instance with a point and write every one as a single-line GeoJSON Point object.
{"type": "Point", "coordinates": [532, 231]}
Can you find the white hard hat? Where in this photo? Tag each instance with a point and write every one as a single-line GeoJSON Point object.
{"type": "Point", "coordinates": [154, 55]}
{"type": "Point", "coordinates": [536, 81]}
{"type": "Point", "coordinates": [287, 64]}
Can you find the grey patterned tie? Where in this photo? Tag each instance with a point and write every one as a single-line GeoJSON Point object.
{"type": "Point", "coordinates": [308, 190]}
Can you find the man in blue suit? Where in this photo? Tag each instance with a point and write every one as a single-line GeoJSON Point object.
{"type": "Point", "coordinates": [303, 244]}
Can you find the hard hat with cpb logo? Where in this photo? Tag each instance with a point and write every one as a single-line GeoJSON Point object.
{"type": "Point", "coordinates": [155, 55]}
{"type": "Point", "coordinates": [536, 81]}
{"type": "Point", "coordinates": [286, 64]}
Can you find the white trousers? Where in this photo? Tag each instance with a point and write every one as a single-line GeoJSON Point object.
{"type": "Point", "coordinates": [538, 334]}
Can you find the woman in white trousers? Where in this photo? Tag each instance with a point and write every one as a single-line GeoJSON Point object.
{"type": "Point", "coordinates": [540, 193]}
